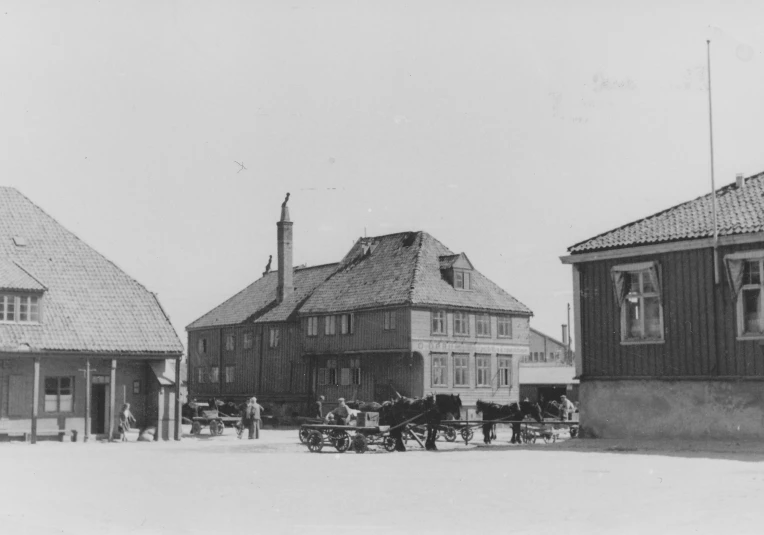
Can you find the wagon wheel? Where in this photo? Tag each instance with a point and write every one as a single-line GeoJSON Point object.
{"type": "Point", "coordinates": [467, 434]}
{"type": "Point", "coordinates": [196, 428]}
{"type": "Point", "coordinates": [341, 441]}
{"type": "Point", "coordinates": [360, 444]}
{"type": "Point", "coordinates": [220, 428]}
{"type": "Point", "coordinates": [213, 427]}
{"type": "Point", "coordinates": [304, 434]}
{"type": "Point", "coordinates": [389, 443]}
{"type": "Point", "coordinates": [573, 432]}
{"type": "Point", "coordinates": [315, 441]}
{"type": "Point", "coordinates": [450, 434]}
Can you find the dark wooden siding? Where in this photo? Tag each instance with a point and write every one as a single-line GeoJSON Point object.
{"type": "Point", "coordinates": [368, 333]}
{"type": "Point", "coordinates": [284, 370]}
{"type": "Point", "coordinates": [205, 360]}
{"type": "Point", "coordinates": [699, 319]}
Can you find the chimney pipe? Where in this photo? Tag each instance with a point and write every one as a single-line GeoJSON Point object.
{"type": "Point", "coordinates": [285, 286]}
{"type": "Point", "coordinates": [740, 181]}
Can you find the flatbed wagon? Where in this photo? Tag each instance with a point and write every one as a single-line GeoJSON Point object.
{"type": "Point", "coordinates": [344, 437]}
{"type": "Point", "coordinates": [547, 430]}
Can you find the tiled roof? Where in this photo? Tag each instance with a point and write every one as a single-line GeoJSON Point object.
{"type": "Point", "coordinates": [89, 304]}
{"type": "Point", "coordinates": [258, 300]}
{"type": "Point", "coordinates": [12, 277]}
{"type": "Point", "coordinates": [739, 211]}
{"type": "Point", "coordinates": [404, 269]}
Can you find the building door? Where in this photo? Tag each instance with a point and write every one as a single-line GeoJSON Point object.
{"type": "Point", "coordinates": [98, 409]}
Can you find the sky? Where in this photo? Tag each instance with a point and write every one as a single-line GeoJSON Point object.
{"type": "Point", "coordinates": [508, 130]}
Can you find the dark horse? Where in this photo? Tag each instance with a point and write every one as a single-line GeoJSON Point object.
{"type": "Point", "coordinates": [430, 410]}
{"type": "Point", "coordinates": [514, 412]}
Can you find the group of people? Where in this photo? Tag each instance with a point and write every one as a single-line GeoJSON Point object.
{"type": "Point", "coordinates": [250, 419]}
{"type": "Point", "coordinates": [340, 415]}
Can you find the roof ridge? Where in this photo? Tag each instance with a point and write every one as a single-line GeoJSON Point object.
{"type": "Point", "coordinates": [234, 296]}
{"type": "Point", "coordinates": [417, 266]}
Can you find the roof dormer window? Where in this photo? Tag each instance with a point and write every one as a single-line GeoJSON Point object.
{"type": "Point", "coordinates": [19, 308]}
{"type": "Point", "coordinates": [457, 270]}
{"type": "Point", "coordinates": [461, 280]}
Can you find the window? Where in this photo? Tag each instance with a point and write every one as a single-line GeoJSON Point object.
{"type": "Point", "coordinates": [438, 322]}
{"type": "Point", "coordinates": [746, 278]}
{"type": "Point", "coordinates": [483, 325]}
{"type": "Point", "coordinates": [461, 280]}
{"type": "Point", "coordinates": [505, 371]}
{"type": "Point", "coordinates": [201, 346]}
{"type": "Point", "coordinates": [637, 289]}
{"type": "Point", "coordinates": [389, 320]}
{"type": "Point", "coordinates": [214, 374]}
{"type": "Point", "coordinates": [504, 327]}
{"type": "Point", "coordinates": [346, 323]}
{"type": "Point", "coordinates": [230, 342]}
{"type": "Point", "coordinates": [461, 375]}
{"type": "Point", "coordinates": [461, 323]}
{"type": "Point", "coordinates": [355, 370]}
{"type": "Point", "coordinates": [19, 308]}
{"type": "Point", "coordinates": [229, 372]}
{"type": "Point", "coordinates": [59, 394]}
{"type": "Point", "coordinates": [439, 370]}
{"type": "Point", "coordinates": [248, 341]}
{"type": "Point", "coordinates": [331, 375]}
{"type": "Point", "coordinates": [136, 387]}
{"type": "Point", "coordinates": [330, 325]}
{"type": "Point", "coordinates": [273, 340]}
{"type": "Point", "coordinates": [200, 376]}
{"type": "Point", "coordinates": [483, 368]}
{"type": "Point", "coordinates": [313, 326]}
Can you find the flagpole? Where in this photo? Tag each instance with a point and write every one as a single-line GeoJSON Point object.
{"type": "Point", "coordinates": [713, 183]}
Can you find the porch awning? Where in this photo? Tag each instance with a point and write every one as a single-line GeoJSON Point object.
{"type": "Point", "coordinates": [164, 370]}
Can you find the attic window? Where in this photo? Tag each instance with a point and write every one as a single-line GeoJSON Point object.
{"type": "Point", "coordinates": [408, 240]}
{"type": "Point", "coordinates": [20, 308]}
{"type": "Point", "coordinates": [462, 280]}
{"type": "Point", "coordinates": [20, 241]}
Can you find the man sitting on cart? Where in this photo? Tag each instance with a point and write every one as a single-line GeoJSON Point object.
{"type": "Point", "coordinates": [340, 414]}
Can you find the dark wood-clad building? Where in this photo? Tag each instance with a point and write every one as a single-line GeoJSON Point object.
{"type": "Point", "coordinates": [670, 321]}
{"type": "Point", "coordinates": [78, 336]}
{"type": "Point", "coordinates": [399, 313]}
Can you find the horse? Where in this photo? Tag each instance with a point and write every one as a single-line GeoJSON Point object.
{"type": "Point", "coordinates": [512, 412]}
{"type": "Point", "coordinates": [431, 409]}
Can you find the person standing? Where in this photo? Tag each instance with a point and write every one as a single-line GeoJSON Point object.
{"type": "Point", "coordinates": [126, 420]}
{"type": "Point", "coordinates": [318, 408]}
{"type": "Point", "coordinates": [253, 418]}
{"type": "Point", "coordinates": [566, 408]}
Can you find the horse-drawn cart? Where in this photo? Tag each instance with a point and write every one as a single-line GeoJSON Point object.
{"type": "Point", "coordinates": [215, 420]}
{"type": "Point", "coordinates": [344, 437]}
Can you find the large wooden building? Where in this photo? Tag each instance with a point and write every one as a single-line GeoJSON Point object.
{"type": "Point", "coordinates": [78, 337]}
{"type": "Point", "coordinates": [398, 313]}
{"type": "Point", "coordinates": [670, 322]}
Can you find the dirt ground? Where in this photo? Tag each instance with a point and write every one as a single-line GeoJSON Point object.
{"type": "Point", "coordinates": [274, 485]}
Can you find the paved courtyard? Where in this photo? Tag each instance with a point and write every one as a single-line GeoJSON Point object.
{"type": "Point", "coordinates": [218, 485]}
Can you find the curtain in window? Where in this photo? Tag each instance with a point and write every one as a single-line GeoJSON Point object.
{"type": "Point", "coordinates": [618, 275]}
{"type": "Point", "coordinates": [734, 263]}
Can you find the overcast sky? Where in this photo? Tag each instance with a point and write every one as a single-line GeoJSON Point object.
{"type": "Point", "coordinates": [508, 130]}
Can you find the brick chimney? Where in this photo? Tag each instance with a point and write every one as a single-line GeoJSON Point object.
{"type": "Point", "coordinates": [284, 237]}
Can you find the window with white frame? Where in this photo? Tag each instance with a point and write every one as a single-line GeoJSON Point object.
{"type": "Point", "coordinates": [389, 320]}
{"type": "Point", "coordinates": [19, 308]}
{"type": "Point", "coordinates": [438, 321]}
{"type": "Point", "coordinates": [505, 370]}
{"type": "Point", "coordinates": [461, 370]}
{"type": "Point", "coordinates": [439, 370]}
{"type": "Point", "coordinates": [59, 394]}
{"type": "Point", "coordinates": [637, 290]}
{"type": "Point", "coordinates": [248, 341]}
{"type": "Point", "coordinates": [313, 326]}
{"type": "Point", "coordinates": [330, 325]}
{"type": "Point", "coordinates": [273, 338]}
{"type": "Point", "coordinates": [504, 327]}
{"type": "Point", "coordinates": [346, 323]}
{"type": "Point", "coordinates": [745, 272]}
{"type": "Point", "coordinates": [461, 323]}
{"type": "Point", "coordinates": [461, 279]}
{"type": "Point", "coordinates": [214, 374]}
{"type": "Point", "coordinates": [483, 325]}
{"type": "Point", "coordinates": [229, 373]}
{"type": "Point", "coordinates": [483, 370]}
{"type": "Point", "coordinates": [230, 342]}
{"type": "Point", "coordinates": [200, 376]}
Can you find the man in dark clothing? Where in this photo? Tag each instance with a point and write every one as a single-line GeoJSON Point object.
{"type": "Point", "coordinates": [252, 418]}
{"type": "Point", "coordinates": [318, 410]}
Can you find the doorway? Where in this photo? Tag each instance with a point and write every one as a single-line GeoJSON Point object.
{"type": "Point", "coordinates": [98, 409]}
